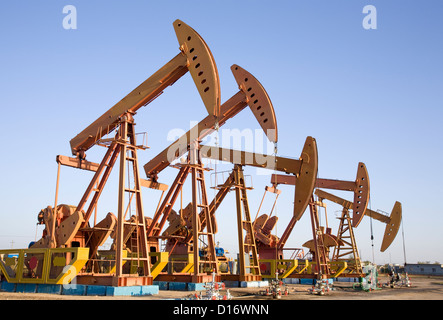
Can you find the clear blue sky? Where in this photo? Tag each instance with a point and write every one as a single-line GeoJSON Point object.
{"type": "Point", "coordinates": [374, 96]}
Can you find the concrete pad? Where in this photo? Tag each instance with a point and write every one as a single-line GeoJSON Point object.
{"type": "Point", "coordinates": [8, 286]}
{"type": "Point", "coordinates": [74, 290]}
{"type": "Point", "coordinates": [291, 281]}
{"type": "Point", "coordinates": [196, 286]}
{"type": "Point", "coordinates": [94, 290]}
{"type": "Point", "coordinates": [132, 290]}
{"type": "Point", "coordinates": [149, 290]}
{"type": "Point", "coordinates": [231, 284]}
{"type": "Point", "coordinates": [179, 286]}
{"type": "Point", "coordinates": [345, 279]}
{"type": "Point", "coordinates": [307, 281]}
{"type": "Point", "coordinates": [253, 284]}
{"type": "Point", "coordinates": [330, 281]}
{"type": "Point", "coordinates": [123, 291]}
{"type": "Point", "coordinates": [162, 285]}
{"type": "Point", "coordinates": [49, 288]}
{"type": "Point", "coordinates": [26, 287]}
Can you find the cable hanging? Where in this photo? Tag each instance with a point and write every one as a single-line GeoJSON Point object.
{"type": "Point", "coordinates": [372, 232]}
{"type": "Point", "coordinates": [275, 205]}
{"type": "Point", "coordinates": [216, 127]}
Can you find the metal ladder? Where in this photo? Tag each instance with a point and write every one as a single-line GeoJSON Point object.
{"type": "Point", "coordinates": [244, 223]}
{"type": "Point", "coordinates": [321, 255]}
{"type": "Point", "coordinates": [137, 229]}
{"type": "Point", "coordinates": [210, 259]}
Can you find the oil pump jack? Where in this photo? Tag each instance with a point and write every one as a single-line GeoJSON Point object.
{"type": "Point", "coordinates": [188, 226]}
{"type": "Point", "coordinates": [304, 170]}
{"type": "Point", "coordinates": [69, 226]}
{"type": "Point", "coordinates": [251, 93]}
{"type": "Point", "coordinates": [323, 239]}
{"type": "Point", "coordinates": [344, 243]}
{"type": "Point", "coordinates": [258, 238]}
{"type": "Point", "coordinates": [392, 221]}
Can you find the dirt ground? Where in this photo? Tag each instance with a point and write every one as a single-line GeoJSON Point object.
{"type": "Point", "coordinates": [422, 288]}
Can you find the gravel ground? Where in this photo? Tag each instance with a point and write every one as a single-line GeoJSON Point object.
{"type": "Point", "coordinates": [422, 288]}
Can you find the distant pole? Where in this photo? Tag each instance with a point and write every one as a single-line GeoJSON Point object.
{"type": "Point", "coordinates": [12, 244]}
{"type": "Point", "coordinates": [403, 236]}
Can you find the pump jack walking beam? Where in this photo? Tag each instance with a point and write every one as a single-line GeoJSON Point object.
{"type": "Point", "coordinates": [304, 171]}
{"type": "Point", "coordinates": [360, 187]}
{"type": "Point", "coordinates": [194, 57]}
{"type": "Point", "coordinates": [251, 93]}
{"type": "Point", "coordinates": [250, 88]}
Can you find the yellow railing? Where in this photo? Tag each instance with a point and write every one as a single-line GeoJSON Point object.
{"type": "Point", "coordinates": [160, 263]}
{"type": "Point", "coordinates": [283, 266]}
{"type": "Point", "coordinates": [338, 267]}
{"type": "Point", "coordinates": [52, 266]}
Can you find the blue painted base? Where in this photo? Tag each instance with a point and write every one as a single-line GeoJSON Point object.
{"type": "Point", "coordinates": [181, 286]}
{"type": "Point", "coordinates": [79, 289]}
{"type": "Point", "coordinates": [74, 290]}
{"type": "Point", "coordinates": [49, 288]}
{"type": "Point", "coordinates": [8, 287]}
{"type": "Point", "coordinates": [26, 287]}
{"type": "Point", "coordinates": [344, 279]}
{"type": "Point", "coordinates": [231, 284]}
{"type": "Point", "coordinates": [307, 281]}
{"type": "Point", "coordinates": [96, 291]}
{"type": "Point", "coordinates": [196, 286]}
{"type": "Point", "coordinates": [178, 286]}
{"type": "Point", "coordinates": [246, 284]}
{"type": "Point", "coordinates": [162, 285]}
{"type": "Point", "coordinates": [132, 291]}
